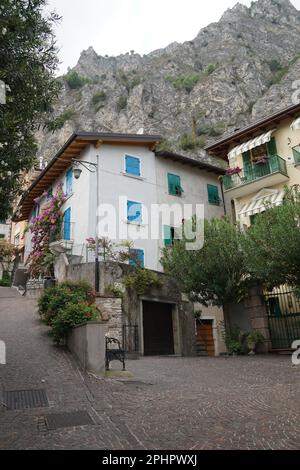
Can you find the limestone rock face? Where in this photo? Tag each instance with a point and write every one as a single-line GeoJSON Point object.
{"type": "Point", "coordinates": [233, 72]}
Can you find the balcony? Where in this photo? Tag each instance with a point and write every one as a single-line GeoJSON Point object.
{"type": "Point", "coordinates": [255, 177]}
{"type": "Point", "coordinates": [61, 240]}
{"type": "Point", "coordinates": [296, 154]}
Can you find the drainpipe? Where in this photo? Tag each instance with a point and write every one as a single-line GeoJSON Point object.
{"type": "Point", "coordinates": [97, 270]}
{"type": "Point", "coordinates": [223, 198]}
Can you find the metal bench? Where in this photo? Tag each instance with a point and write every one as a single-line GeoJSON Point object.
{"type": "Point", "coordinates": [114, 352]}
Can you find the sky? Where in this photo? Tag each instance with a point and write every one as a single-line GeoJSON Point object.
{"type": "Point", "coordinates": [115, 27]}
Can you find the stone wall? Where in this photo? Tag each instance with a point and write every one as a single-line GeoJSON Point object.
{"type": "Point", "coordinates": [111, 309]}
{"type": "Point", "coordinates": [127, 311]}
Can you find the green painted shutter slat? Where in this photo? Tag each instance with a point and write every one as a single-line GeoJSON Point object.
{"type": "Point", "coordinates": [213, 194]}
{"type": "Point", "coordinates": [167, 235]}
{"type": "Point", "coordinates": [247, 164]}
{"type": "Point", "coordinates": [272, 147]}
{"type": "Point", "coordinates": [174, 182]}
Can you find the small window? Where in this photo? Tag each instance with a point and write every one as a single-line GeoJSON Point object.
{"type": "Point", "coordinates": [49, 193]}
{"type": "Point", "coordinates": [174, 184]}
{"type": "Point", "coordinates": [169, 235]}
{"type": "Point", "coordinates": [2, 236]}
{"type": "Point", "coordinates": [213, 194]}
{"type": "Point", "coordinates": [134, 211]}
{"type": "Point", "coordinates": [133, 165]}
{"type": "Point", "coordinates": [137, 258]}
{"type": "Point", "coordinates": [69, 181]}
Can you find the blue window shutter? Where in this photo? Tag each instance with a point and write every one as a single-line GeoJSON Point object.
{"type": "Point", "coordinates": [138, 258]}
{"type": "Point", "coordinates": [133, 165]}
{"type": "Point", "coordinates": [134, 211]}
{"type": "Point", "coordinates": [69, 181]}
{"type": "Point", "coordinates": [67, 224]}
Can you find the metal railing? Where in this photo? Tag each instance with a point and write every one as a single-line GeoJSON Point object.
{"type": "Point", "coordinates": [296, 154]}
{"type": "Point", "coordinates": [252, 172]}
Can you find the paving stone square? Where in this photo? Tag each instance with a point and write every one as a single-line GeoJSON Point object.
{"type": "Point", "coordinates": [168, 403]}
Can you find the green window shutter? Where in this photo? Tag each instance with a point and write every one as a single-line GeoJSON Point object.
{"type": "Point", "coordinates": [174, 185]}
{"type": "Point", "coordinates": [247, 165]}
{"type": "Point", "coordinates": [272, 147]}
{"type": "Point", "coordinates": [168, 235]}
{"type": "Point", "coordinates": [213, 194]}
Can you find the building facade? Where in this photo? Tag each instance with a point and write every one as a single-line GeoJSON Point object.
{"type": "Point", "coordinates": [263, 158]}
{"type": "Point", "coordinates": [132, 178]}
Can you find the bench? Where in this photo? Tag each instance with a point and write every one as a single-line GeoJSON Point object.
{"type": "Point", "coordinates": [114, 352]}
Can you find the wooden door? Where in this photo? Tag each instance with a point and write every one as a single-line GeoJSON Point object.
{"type": "Point", "coordinates": [205, 337]}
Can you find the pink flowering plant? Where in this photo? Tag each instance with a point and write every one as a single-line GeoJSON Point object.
{"type": "Point", "coordinates": [233, 171]}
{"type": "Point", "coordinates": [46, 227]}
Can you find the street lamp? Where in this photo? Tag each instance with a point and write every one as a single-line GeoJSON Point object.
{"type": "Point", "coordinates": [92, 168]}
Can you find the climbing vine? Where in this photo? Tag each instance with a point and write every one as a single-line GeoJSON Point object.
{"type": "Point", "coordinates": [45, 228]}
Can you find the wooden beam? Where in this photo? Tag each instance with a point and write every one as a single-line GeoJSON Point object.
{"type": "Point", "coordinates": [98, 143]}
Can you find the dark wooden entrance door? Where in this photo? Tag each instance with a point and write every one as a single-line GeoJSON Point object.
{"type": "Point", "coordinates": [205, 337]}
{"type": "Point", "coordinates": [158, 329]}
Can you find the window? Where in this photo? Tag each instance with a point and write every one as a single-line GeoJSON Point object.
{"type": "Point", "coordinates": [213, 194]}
{"type": "Point", "coordinates": [67, 224]}
{"type": "Point", "coordinates": [174, 185]}
{"type": "Point", "coordinates": [35, 211]}
{"type": "Point", "coordinates": [169, 235]}
{"type": "Point", "coordinates": [132, 165]}
{"type": "Point", "coordinates": [137, 258]}
{"type": "Point", "coordinates": [49, 193]}
{"type": "Point", "coordinates": [134, 211]}
{"type": "Point", "coordinates": [2, 236]}
{"type": "Point", "coordinates": [69, 181]}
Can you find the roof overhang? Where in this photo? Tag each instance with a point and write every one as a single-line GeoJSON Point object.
{"type": "Point", "coordinates": [191, 161]}
{"type": "Point", "coordinates": [221, 147]}
{"type": "Point", "coordinates": [63, 159]}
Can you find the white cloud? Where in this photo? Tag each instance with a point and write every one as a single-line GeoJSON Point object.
{"type": "Point", "coordinates": [118, 26]}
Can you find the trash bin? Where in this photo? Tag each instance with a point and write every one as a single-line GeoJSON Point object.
{"type": "Point", "coordinates": [49, 282]}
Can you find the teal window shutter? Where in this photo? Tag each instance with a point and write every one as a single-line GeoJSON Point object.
{"type": "Point", "coordinates": [67, 224]}
{"type": "Point", "coordinates": [213, 194]}
{"type": "Point", "coordinates": [174, 185]}
{"type": "Point", "coordinates": [168, 238]}
{"type": "Point", "coordinates": [272, 147]}
{"type": "Point", "coordinates": [134, 211]}
{"type": "Point", "coordinates": [137, 258]}
{"type": "Point", "coordinates": [133, 165]}
{"type": "Point", "coordinates": [50, 193]}
{"type": "Point", "coordinates": [69, 181]}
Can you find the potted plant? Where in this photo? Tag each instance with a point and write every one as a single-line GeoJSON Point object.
{"type": "Point", "coordinates": [233, 171]}
{"type": "Point", "coordinates": [263, 160]}
{"type": "Point", "coordinates": [253, 339]}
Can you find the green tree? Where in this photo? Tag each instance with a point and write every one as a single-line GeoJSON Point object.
{"type": "Point", "coordinates": [28, 60]}
{"type": "Point", "coordinates": [272, 244]}
{"type": "Point", "coordinates": [216, 274]}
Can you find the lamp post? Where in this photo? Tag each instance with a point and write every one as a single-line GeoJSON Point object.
{"type": "Point", "coordinates": [77, 173]}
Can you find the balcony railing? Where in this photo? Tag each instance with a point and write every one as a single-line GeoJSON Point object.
{"type": "Point", "coordinates": [252, 172]}
{"type": "Point", "coordinates": [296, 153]}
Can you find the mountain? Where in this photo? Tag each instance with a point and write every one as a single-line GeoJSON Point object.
{"type": "Point", "coordinates": [235, 71]}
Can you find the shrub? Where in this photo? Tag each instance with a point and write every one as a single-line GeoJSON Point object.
{"type": "Point", "coordinates": [6, 280]}
{"type": "Point", "coordinates": [210, 69]}
{"type": "Point", "coordinates": [74, 80]}
{"type": "Point", "coordinates": [189, 142]}
{"type": "Point", "coordinates": [186, 83]}
{"type": "Point", "coordinates": [60, 120]}
{"type": "Point", "coordinates": [141, 280]}
{"type": "Point", "coordinates": [122, 103]}
{"type": "Point", "coordinates": [71, 315]}
{"type": "Point", "coordinates": [98, 97]}
{"type": "Point", "coordinates": [57, 298]}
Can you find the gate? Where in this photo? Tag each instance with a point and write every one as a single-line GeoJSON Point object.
{"type": "Point", "coordinates": [283, 309]}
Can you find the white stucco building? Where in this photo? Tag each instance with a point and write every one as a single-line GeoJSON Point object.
{"type": "Point", "coordinates": [132, 178]}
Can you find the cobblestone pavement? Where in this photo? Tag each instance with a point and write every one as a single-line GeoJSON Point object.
{"type": "Point", "coordinates": [170, 403]}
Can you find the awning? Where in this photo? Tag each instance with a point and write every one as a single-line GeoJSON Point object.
{"type": "Point", "coordinates": [295, 124]}
{"type": "Point", "coordinates": [251, 144]}
{"type": "Point", "coordinates": [258, 204]}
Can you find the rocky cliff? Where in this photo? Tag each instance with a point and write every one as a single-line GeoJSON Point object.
{"type": "Point", "coordinates": [234, 71]}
